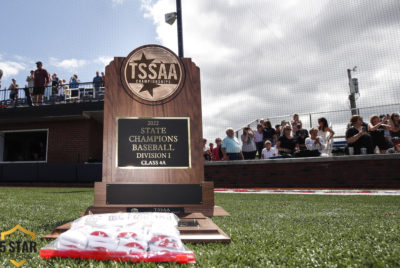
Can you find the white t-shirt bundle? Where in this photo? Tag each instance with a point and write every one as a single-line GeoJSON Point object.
{"type": "Point", "coordinates": [122, 232]}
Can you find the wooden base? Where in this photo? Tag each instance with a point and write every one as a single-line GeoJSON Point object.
{"type": "Point", "coordinates": [56, 232]}
{"type": "Point", "coordinates": [206, 207]}
{"type": "Point", "coordinates": [220, 212]}
{"type": "Point", "coordinates": [204, 231]}
{"type": "Point", "coordinates": [215, 211]}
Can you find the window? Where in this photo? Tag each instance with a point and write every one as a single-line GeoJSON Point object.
{"type": "Point", "coordinates": [21, 146]}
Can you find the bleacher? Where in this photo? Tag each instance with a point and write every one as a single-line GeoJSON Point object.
{"type": "Point", "coordinates": [338, 147]}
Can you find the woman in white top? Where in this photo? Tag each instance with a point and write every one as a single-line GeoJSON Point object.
{"type": "Point", "coordinates": [326, 133]}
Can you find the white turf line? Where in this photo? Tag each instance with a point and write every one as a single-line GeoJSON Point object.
{"type": "Point", "coordinates": [308, 192]}
{"type": "Point", "coordinates": [202, 237]}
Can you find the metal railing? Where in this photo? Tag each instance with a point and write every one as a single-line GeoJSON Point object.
{"type": "Point", "coordinates": [67, 93]}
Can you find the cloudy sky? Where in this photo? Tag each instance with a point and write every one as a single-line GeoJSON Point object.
{"type": "Point", "coordinates": [258, 59]}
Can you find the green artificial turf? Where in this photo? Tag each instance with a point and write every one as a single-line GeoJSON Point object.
{"type": "Point", "coordinates": [266, 230]}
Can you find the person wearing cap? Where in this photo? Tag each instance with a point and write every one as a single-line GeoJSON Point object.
{"type": "Point", "coordinates": [40, 81]}
{"type": "Point", "coordinates": [268, 151]}
{"type": "Point", "coordinates": [231, 148]}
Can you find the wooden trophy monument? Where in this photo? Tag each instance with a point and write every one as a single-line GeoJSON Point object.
{"type": "Point", "coordinates": [152, 144]}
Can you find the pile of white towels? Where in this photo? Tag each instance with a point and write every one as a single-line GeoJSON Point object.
{"type": "Point", "coordinates": [122, 232]}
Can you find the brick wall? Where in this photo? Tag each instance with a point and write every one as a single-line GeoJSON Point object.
{"type": "Point", "coordinates": [69, 141]}
{"type": "Point", "coordinates": [380, 171]}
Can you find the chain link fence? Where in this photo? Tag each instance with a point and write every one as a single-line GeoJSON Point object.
{"type": "Point", "coordinates": [337, 119]}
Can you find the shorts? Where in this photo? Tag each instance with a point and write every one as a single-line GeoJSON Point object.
{"type": "Point", "coordinates": [249, 155]}
{"type": "Point", "coordinates": [234, 156]}
{"type": "Point", "coordinates": [38, 90]}
{"type": "Point", "coordinates": [13, 94]}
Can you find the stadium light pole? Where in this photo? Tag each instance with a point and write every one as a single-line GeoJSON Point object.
{"type": "Point", "coordinates": [170, 19]}
{"type": "Point", "coordinates": [1, 75]}
{"type": "Point", "coordinates": [353, 84]}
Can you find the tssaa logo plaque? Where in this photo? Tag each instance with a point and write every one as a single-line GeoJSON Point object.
{"type": "Point", "coordinates": [152, 74]}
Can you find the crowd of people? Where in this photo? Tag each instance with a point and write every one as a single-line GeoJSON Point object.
{"type": "Point", "coordinates": [289, 139]}
{"type": "Point", "coordinates": [40, 79]}
{"type": "Point", "coordinates": [380, 135]}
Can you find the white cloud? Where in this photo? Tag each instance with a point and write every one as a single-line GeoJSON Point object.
{"type": "Point", "coordinates": [67, 64]}
{"type": "Point", "coordinates": [268, 58]}
{"type": "Point", "coordinates": [11, 68]}
{"type": "Point", "coordinates": [20, 58]}
{"type": "Point", "coordinates": [103, 60]}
